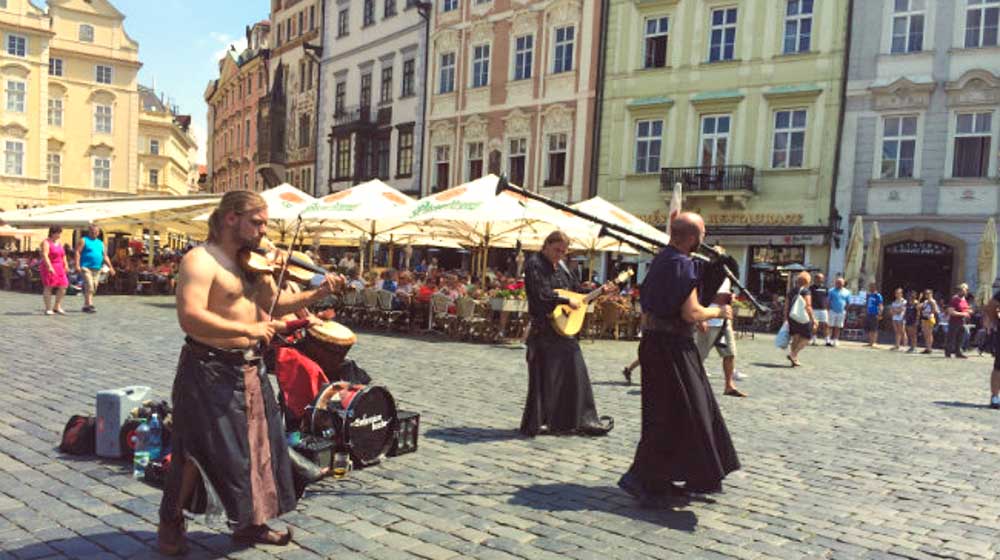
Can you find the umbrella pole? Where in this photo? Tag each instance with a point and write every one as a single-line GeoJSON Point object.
{"type": "Point", "coordinates": [391, 249]}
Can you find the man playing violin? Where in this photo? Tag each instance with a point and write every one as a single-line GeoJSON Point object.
{"type": "Point", "coordinates": [229, 454]}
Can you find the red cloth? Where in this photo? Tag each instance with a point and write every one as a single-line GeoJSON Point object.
{"type": "Point", "coordinates": [299, 377]}
{"type": "Point", "coordinates": [959, 304]}
{"type": "Point", "coordinates": [425, 293]}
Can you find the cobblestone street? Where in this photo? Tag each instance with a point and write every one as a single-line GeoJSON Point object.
{"type": "Point", "coordinates": [859, 454]}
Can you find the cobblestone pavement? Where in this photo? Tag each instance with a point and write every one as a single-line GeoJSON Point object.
{"type": "Point", "coordinates": [859, 454]}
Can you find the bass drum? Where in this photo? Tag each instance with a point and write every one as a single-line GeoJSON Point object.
{"type": "Point", "coordinates": [358, 418]}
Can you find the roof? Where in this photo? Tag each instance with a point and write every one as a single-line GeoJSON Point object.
{"type": "Point", "coordinates": [150, 101]}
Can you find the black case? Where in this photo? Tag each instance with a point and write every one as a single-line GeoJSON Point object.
{"type": "Point", "coordinates": [407, 433]}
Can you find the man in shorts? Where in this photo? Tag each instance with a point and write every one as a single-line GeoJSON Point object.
{"type": "Point", "coordinates": [837, 301]}
{"type": "Point", "coordinates": [874, 305]}
{"type": "Point", "coordinates": [820, 303]}
{"type": "Point", "coordinates": [719, 334]}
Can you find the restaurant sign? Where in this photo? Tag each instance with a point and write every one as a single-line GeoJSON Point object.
{"type": "Point", "coordinates": [752, 219]}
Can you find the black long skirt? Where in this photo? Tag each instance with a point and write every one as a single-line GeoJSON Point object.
{"type": "Point", "coordinates": [559, 392]}
{"type": "Point", "coordinates": [684, 437]}
{"type": "Point", "coordinates": [227, 421]}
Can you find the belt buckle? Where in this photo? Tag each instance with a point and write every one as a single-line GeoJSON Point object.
{"type": "Point", "coordinates": [248, 355]}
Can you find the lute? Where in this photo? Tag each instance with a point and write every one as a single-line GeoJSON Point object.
{"type": "Point", "coordinates": [568, 321]}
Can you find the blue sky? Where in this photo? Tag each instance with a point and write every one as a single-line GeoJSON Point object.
{"type": "Point", "coordinates": [180, 42]}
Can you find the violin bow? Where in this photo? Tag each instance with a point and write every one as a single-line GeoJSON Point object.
{"type": "Point", "coordinates": [284, 268]}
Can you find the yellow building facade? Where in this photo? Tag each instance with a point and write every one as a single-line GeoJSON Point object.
{"type": "Point", "coordinates": [739, 101]}
{"type": "Point", "coordinates": [167, 149]}
{"type": "Point", "coordinates": [69, 117]}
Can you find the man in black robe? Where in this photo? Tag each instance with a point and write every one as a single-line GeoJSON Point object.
{"type": "Point", "coordinates": [229, 455]}
{"type": "Point", "coordinates": [684, 438]}
{"type": "Point", "coordinates": [560, 398]}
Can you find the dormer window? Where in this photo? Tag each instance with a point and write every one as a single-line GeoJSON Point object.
{"type": "Point", "coordinates": [87, 33]}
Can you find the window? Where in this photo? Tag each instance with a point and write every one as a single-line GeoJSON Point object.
{"type": "Point", "coordinates": [154, 147]}
{"type": "Point", "coordinates": [279, 35]}
{"type": "Point", "coordinates": [557, 160]}
{"type": "Point", "coordinates": [260, 79]}
{"type": "Point", "coordinates": [981, 19]}
{"type": "Point", "coordinates": [789, 139]}
{"type": "Point", "coordinates": [522, 57]}
{"type": "Point", "coordinates": [447, 79]}
{"type": "Point", "coordinates": [17, 45]}
{"type": "Point", "coordinates": [563, 56]}
{"type": "Point", "coordinates": [16, 95]}
{"type": "Point", "coordinates": [480, 65]}
{"type": "Point", "coordinates": [798, 26]}
{"type": "Point", "coordinates": [343, 158]}
{"type": "Point", "coordinates": [382, 147]}
{"type": "Point", "coordinates": [154, 177]}
{"type": "Point", "coordinates": [449, 5]}
{"type": "Point", "coordinates": [338, 100]}
{"type": "Point", "coordinates": [102, 119]}
{"type": "Point", "coordinates": [55, 67]}
{"type": "Point", "coordinates": [288, 28]}
{"type": "Point", "coordinates": [102, 173]}
{"type": "Point", "coordinates": [307, 179]}
{"type": "Point", "coordinates": [474, 169]}
{"type": "Point", "coordinates": [302, 76]}
{"type": "Point", "coordinates": [53, 168]}
{"type": "Point", "coordinates": [342, 22]}
{"type": "Point", "coordinates": [369, 13]}
{"type": "Point", "coordinates": [656, 42]}
{"type": "Point", "coordinates": [366, 90]}
{"type": "Point", "coordinates": [13, 157]}
{"type": "Point", "coordinates": [714, 140]}
{"type": "Point", "coordinates": [408, 73]}
{"type": "Point", "coordinates": [304, 130]}
{"type": "Point", "coordinates": [312, 18]}
{"type": "Point", "coordinates": [390, 8]}
{"type": "Point", "coordinates": [404, 153]}
{"type": "Point", "coordinates": [517, 159]}
{"type": "Point", "coordinates": [86, 33]}
{"type": "Point", "coordinates": [907, 26]}
{"type": "Point", "coordinates": [385, 88]}
{"type": "Point", "coordinates": [442, 158]}
{"type": "Point", "coordinates": [972, 145]}
{"type": "Point", "coordinates": [648, 139]}
{"type": "Point", "coordinates": [302, 22]}
{"type": "Point", "coordinates": [899, 144]}
{"type": "Point", "coordinates": [246, 181]}
{"type": "Point", "coordinates": [103, 74]}
{"type": "Point", "coordinates": [723, 40]}
{"type": "Point", "coordinates": [55, 112]}
{"type": "Point", "coordinates": [246, 132]}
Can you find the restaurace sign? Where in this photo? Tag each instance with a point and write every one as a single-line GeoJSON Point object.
{"type": "Point", "coordinates": [748, 219]}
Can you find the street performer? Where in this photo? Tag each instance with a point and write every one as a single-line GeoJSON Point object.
{"type": "Point", "coordinates": [683, 437]}
{"type": "Point", "coordinates": [560, 399]}
{"type": "Point", "coordinates": [229, 451]}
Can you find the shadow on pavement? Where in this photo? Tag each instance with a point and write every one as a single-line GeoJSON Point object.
{"type": "Point", "coordinates": [771, 366]}
{"type": "Point", "coordinates": [958, 404]}
{"type": "Point", "coordinates": [161, 305]}
{"type": "Point", "coordinates": [565, 496]}
{"type": "Point", "coordinates": [128, 544]}
{"type": "Point", "coordinates": [471, 435]}
{"type": "Point", "coordinates": [619, 383]}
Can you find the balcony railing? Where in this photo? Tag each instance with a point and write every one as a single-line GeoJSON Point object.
{"type": "Point", "coordinates": [715, 178]}
{"type": "Point", "coordinates": [357, 115]}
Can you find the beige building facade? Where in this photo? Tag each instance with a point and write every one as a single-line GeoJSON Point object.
{"type": "Point", "coordinates": [512, 89]}
{"type": "Point", "coordinates": [167, 150]}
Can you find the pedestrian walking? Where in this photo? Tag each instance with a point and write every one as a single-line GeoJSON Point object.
{"type": "Point", "coordinates": [837, 300]}
{"type": "Point", "coordinates": [990, 321]}
{"type": "Point", "coordinates": [718, 334]}
{"type": "Point", "coordinates": [53, 272]}
{"type": "Point", "coordinates": [929, 311]}
{"type": "Point", "coordinates": [911, 319]}
{"type": "Point", "coordinates": [958, 311]}
{"type": "Point", "coordinates": [898, 311]}
{"type": "Point", "coordinates": [874, 305]}
{"type": "Point", "coordinates": [799, 314]}
{"type": "Point", "coordinates": [90, 258]}
{"type": "Point", "coordinates": [821, 306]}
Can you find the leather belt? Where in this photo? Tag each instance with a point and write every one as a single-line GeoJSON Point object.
{"type": "Point", "coordinates": [651, 323]}
{"type": "Point", "coordinates": [231, 356]}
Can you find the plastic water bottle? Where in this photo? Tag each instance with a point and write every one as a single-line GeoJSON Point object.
{"type": "Point", "coordinates": [154, 442]}
{"type": "Point", "coordinates": [140, 458]}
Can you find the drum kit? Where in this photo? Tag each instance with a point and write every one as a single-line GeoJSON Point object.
{"type": "Point", "coordinates": [360, 420]}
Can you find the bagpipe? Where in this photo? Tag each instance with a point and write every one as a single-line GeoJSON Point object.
{"type": "Point", "coordinates": [714, 266]}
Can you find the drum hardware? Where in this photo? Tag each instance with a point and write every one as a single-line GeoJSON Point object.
{"type": "Point", "coordinates": [407, 433]}
{"type": "Point", "coordinates": [360, 420]}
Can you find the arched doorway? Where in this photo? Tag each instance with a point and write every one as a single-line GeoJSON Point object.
{"type": "Point", "coordinates": [918, 265]}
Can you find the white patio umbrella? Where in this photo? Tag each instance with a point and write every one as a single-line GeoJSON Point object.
{"type": "Point", "coordinates": [600, 208]}
{"type": "Point", "coordinates": [986, 264]}
{"type": "Point", "coordinates": [284, 204]}
{"type": "Point", "coordinates": [874, 254]}
{"type": "Point", "coordinates": [855, 253]}
{"type": "Point", "coordinates": [484, 219]}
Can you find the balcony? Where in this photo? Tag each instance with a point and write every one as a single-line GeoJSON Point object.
{"type": "Point", "coordinates": [354, 118]}
{"type": "Point", "coordinates": [730, 184]}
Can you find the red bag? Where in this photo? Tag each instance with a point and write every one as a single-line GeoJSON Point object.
{"type": "Point", "coordinates": [299, 378]}
{"type": "Point", "coordinates": [79, 437]}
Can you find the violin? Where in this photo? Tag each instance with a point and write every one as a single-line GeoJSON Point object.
{"type": "Point", "coordinates": [269, 260]}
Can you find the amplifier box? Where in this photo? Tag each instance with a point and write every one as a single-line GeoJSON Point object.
{"type": "Point", "coordinates": [407, 433]}
{"type": "Point", "coordinates": [113, 407]}
{"type": "Point", "coordinates": [318, 450]}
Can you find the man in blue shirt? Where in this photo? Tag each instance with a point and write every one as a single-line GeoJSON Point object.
{"type": "Point", "coordinates": [873, 311]}
{"type": "Point", "coordinates": [90, 257]}
{"type": "Point", "coordinates": [838, 309]}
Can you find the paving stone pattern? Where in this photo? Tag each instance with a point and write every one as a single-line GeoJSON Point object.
{"type": "Point", "coordinates": [859, 454]}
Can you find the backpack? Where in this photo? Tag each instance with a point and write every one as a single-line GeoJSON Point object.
{"type": "Point", "coordinates": [79, 435]}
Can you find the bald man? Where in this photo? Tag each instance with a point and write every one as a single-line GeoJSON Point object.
{"type": "Point", "coordinates": [684, 438]}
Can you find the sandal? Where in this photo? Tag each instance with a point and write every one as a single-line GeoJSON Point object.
{"type": "Point", "coordinates": [262, 534]}
{"type": "Point", "coordinates": [627, 375]}
{"type": "Point", "coordinates": [795, 363]}
{"type": "Point", "coordinates": [734, 393]}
